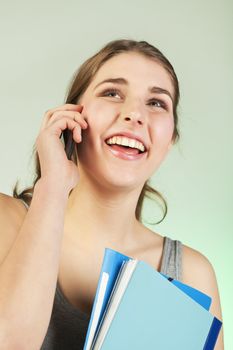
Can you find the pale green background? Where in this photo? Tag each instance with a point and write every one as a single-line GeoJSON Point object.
{"type": "Point", "coordinates": [43, 43]}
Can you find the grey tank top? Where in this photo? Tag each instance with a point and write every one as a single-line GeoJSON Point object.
{"type": "Point", "coordinates": [68, 325]}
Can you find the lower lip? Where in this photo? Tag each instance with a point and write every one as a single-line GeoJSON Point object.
{"type": "Point", "coordinates": [124, 155]}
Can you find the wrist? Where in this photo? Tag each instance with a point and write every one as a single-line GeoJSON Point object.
{"type": "Point", "coordinates": [49, 187]}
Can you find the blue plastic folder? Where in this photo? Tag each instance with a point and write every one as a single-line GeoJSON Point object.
{"type": "Point", "coordinates": [137, 307]}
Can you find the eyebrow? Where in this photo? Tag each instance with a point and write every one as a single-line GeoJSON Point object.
{"type": "Point", "coordinates": [123, 81]}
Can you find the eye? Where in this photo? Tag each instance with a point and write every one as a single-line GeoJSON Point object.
{"type": "Point", "coordinates": [159, 104]}
{"type": "Point", "coordinates": [110, 91]}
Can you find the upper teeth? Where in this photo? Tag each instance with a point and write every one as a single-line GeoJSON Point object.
{"type": "Point", "coordinates": [125, 141]}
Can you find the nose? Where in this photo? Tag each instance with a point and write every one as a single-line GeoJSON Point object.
{"type": "Point", "coordinates": [134, 116]}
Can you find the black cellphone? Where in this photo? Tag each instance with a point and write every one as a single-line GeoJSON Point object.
{"type": "Point", "coordinates": [69, 142]}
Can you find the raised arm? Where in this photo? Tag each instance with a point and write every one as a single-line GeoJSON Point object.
{"type": "Point", "coordinates": [29, 254]}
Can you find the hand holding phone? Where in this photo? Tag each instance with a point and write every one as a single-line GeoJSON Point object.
{"type": "Point", "coordinates": [55, 161]}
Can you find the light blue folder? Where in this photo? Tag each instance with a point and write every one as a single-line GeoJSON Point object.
{"type": "Point", "coordinates": [152, 307]}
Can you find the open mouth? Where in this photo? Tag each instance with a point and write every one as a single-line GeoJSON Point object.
{"type": "Point", "coordinates": [125, 149]}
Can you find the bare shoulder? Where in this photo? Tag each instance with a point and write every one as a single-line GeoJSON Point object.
{"type": "Point", "coordinates": [12, 213]}
{"type": "Point", "coordinates": [199, 273]}
{"type": "Point", "coordinates": [11, 208]}
{"type": "Point", "coordinates": [198, 270]}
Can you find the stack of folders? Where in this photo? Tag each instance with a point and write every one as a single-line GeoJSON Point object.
{"type": "Point", "coordinates": [136, 307]}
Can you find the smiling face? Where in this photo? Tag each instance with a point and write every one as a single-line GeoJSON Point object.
{"type": "Point", "coordinates": [138, 99]}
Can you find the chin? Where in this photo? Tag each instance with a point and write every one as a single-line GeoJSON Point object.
{"type": "Point", "coordinates": [120, 179]}
{"type": "Point", "coordinates": [113, 179]}
{"type": "Point", "coordinates": [113, 173]}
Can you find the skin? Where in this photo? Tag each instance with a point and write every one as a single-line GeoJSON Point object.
{"type": "Point", "coordinates": [101, 208]}
{"type": "Point", "coordinates": [109, 187]}
{"type": "Point", "coordinates": [100, 211]}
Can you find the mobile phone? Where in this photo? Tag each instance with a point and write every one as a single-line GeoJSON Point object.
{"type": "Point", "coordinates": [69, 142]}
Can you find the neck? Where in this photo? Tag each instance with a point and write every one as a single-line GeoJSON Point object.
{"type": "Point", "coordinates": [97, 218]}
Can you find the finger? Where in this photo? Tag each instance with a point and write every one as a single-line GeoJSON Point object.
{"type": "Point", "coordinates": [60, 125]}
{"type": "Point", "coordinates": [72, 115]}
{"type": "Point", "coordinates": [77, 135]}
{"type": "Point", "coordinates": [68, 114]}
{"type": "Point", "coordinates": [66, 107]}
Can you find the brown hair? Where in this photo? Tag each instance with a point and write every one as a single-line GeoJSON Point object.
{"type": "Point", "coordinates": [78, 85]}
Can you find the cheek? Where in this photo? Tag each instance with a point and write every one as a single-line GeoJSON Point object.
{"type": "Point", "coordinates": [163, 130]}
{"type": "Point", "coordinates": [99, 116]}
{"type": "Point", "coordinates": [97, 113]}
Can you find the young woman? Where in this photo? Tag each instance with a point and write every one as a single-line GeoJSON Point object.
{"type": "Point", "coordinates": [121, 113]}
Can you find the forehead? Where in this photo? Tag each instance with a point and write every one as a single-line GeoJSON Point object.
{"type": "Point", "coordinates": [137, 69]}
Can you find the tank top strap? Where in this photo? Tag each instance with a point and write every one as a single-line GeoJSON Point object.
{"type": "Point", "coordinates": [25, 204]}
{"type": "Point", "coordinates": [172, 258]}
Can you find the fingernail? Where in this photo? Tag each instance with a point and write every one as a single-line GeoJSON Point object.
{"type": "Point", "coordinates": [80, 107]}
